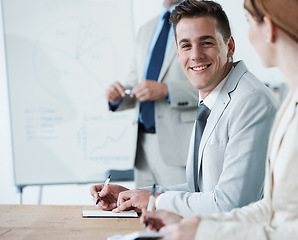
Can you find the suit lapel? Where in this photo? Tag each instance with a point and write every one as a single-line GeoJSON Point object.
{"type": "Point", "coordinates": [221, 104]}
{"type": "Point", "coordinates": [170, 55]}
{"type": "Point", "coordinates": [146, 40]}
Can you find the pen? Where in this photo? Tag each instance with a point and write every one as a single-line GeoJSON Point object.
{"type": "Point", "coordinates": [106, 183]}
{"type": "Point", "coordinates": [150, 203]}
{"type": "Point", "coordinates": [127, 91]}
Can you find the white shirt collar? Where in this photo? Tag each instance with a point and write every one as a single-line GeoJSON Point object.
{"type": "Point", "coordinates": [211, 98]}
{"type": "Point", "coordinates": [164, 9]}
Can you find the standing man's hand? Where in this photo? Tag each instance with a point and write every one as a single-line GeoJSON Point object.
{"type": "Point", "coordinates": [114, 92]}
{"type": "Point", "coordinates": [108, 195]}
{"type": "Point", "coordinates": [150, 90]}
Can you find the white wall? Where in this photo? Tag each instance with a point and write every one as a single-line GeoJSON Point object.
{"type": "Point", "coordinates": [79, 194]}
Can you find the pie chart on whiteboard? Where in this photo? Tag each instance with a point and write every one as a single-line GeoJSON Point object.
{"type": "Point", "coordinates": [75, 60]}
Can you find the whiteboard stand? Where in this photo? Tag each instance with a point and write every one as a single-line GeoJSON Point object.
{"type": "Point", "coordinates": [40, 194]}
{"type": "Point", "coordinates": [117, 176]}
{"type": "Point", "coordinates": [20, 191]}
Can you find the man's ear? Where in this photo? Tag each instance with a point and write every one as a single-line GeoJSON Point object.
{"type": "Point", "coordinates": [231, 47]}
{"type": "Point", "coordinates": [270, 30]}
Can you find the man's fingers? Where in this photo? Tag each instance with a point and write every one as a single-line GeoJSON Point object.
{"type": "Point", "coordinates": [94, 189]}
{"type": "Point", "coordinates": [114, 92]}
{"type": "Point", "coordinates": [109, 207]}
{"type": "Point", "coordinates": [120, 89]}
{"type": "Point", "coordinates": [95, 199]}
{"type": "Point", "coordinates": [145, 214]}
{"type": "Point", "coordinates": [123, 197]}
{"type": "Point", "coordinates": [105, 191]}
{"type": "Point", "coordinates": [124, 206]}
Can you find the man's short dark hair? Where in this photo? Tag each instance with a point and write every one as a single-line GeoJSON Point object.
{"type": "Point", "coordinates": [196, 8]}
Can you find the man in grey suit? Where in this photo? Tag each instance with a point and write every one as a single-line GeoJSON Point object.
{"type": "Point", "coordinates": [162, 144]}
{"type": "Point", "coordinates": [227, 170]}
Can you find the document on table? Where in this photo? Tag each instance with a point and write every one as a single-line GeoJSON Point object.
{"type": "Point", "coordinates": [138, 235]}
{"type": "Point", "coordinates": [108, 214]}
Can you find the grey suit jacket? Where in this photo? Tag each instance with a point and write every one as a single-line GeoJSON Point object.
{"type": "Point", "coordinates": [232, 150]}
{"type": "Point", "coordinates": [173, 120]}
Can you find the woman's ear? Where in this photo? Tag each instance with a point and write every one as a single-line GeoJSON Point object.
{"type": "Point", "coordinates": [270, 30]}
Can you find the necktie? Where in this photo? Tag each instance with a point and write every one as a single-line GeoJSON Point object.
{"type": "Point", "coordinates": [202, 115]}
{"type": "Point", "coordinates": [147, 108]}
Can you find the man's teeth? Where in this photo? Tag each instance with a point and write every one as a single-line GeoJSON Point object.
{"type": "Point", "coordinates": [200, 68]}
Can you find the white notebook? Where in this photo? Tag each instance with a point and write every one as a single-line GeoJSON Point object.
{"type": "Point", "coordinates": [108, 214]}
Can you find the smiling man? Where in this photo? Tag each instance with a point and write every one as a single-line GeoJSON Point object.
{"type": "Point", "coordinates": [205, 56]}
{"type": "Point", "coordinates": [226, 163]}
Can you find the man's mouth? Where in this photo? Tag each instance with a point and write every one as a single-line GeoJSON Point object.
{"type": "Point", "coordinates": [200, 68]}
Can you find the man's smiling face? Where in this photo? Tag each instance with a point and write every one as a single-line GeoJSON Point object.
{"type": "Point", "coordinates": [202, 52]}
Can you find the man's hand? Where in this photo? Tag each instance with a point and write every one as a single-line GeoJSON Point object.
{"type": "Point", "coordinates": [185, 230]}
{"type": "Point", "coordinates": [149, 90]}
{"type": "Point", "coordinates": [159, 218]}
{"type": "Point", "coordinates": [114, 92]}
{"type": "Point", "coordinates": [133, 199]}
{"type": "Point", "coordinates": [108, 195]}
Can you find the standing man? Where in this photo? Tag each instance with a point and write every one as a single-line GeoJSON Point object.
{"type": "Point", "coordinates": [226, 160]}
{"type": "Point", "coordinates": [166, 103]}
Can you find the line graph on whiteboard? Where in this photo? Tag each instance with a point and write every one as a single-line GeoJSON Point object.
{"type": "Point", "coordinates": [96, 142]}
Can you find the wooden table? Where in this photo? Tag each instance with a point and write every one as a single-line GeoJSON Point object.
{"type": "Point", "coordinates": [60, 222]}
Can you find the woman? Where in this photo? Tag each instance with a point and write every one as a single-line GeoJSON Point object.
{"type": "Point", "coordinates": [273, 32]}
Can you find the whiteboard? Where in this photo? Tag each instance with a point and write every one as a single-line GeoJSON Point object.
{"type": "Point", "coordinates": [61, 55]}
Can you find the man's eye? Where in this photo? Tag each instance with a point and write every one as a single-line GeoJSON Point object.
{"type": "Point", "coordinates": [207, 44]}
{"type": "Point", "coordinates": [185, 46]}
